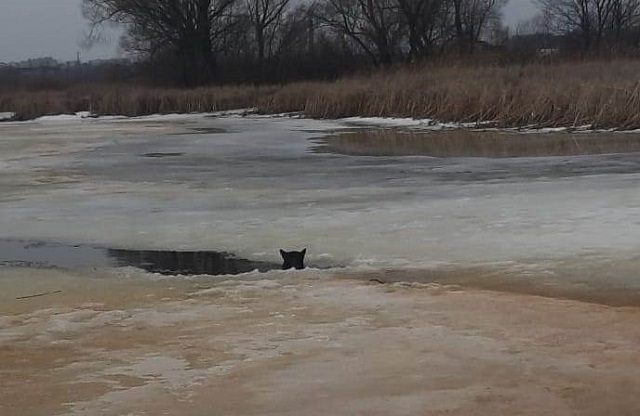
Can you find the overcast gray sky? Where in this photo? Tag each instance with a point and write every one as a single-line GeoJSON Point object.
{"type": "Point", "coordinates": [56, 28]}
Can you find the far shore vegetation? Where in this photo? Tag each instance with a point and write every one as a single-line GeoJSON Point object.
{"type": "Point", "coordinates": [447, 60]}
{"type": "Point", "coordinates": [600, 93]}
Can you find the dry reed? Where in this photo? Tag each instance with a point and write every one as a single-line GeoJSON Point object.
{"type": "Point", "coordinates": [601, 94]}
{"type": "Point", "coordinates": [129, 101]}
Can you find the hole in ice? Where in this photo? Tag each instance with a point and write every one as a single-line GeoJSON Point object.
{"type": "Point", "coordinates": [43, 255]}
{"type": "Point", "coordinates": [163, 154]}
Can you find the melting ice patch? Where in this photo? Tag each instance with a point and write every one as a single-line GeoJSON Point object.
{"type": "Point", "coordinates": [257, 187]}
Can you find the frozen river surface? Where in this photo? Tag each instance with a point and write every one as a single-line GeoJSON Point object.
{"type": "Point", "coordinates": [252, 185]}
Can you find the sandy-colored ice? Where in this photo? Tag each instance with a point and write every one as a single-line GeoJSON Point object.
{"type": "Point", "coordinates": [310, 343]}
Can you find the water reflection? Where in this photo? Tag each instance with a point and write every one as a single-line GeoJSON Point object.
{"type": "Point", "coordinates": [464, 143]}
{"type": "Point", "coordinates": [42, 255]}
{"type": "Point", "coordinates": [187, 262]}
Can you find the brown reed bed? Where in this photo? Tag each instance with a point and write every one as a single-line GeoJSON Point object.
{"type": "Point", "coordinates": [129, 100]}
{"type": "Point", "coordinates": [603, 94]}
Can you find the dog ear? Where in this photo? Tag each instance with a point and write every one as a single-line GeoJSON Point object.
{"type": "Point", "coordinates": [283, 253]}
{"type": "Point", "coordinates": [304, 251]}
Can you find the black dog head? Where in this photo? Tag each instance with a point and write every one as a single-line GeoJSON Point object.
{"type": "Point", "coordinates": [293, 259]}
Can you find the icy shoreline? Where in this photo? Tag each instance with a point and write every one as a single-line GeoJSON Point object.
{"type": "Point", "coordinates": [357, 121]}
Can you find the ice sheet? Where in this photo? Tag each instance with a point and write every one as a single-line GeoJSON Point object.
{"type": "Point", "coordinates": [257, 186]}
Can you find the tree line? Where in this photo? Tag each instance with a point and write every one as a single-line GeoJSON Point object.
{"type": "Point", "coordinates": [195, 42]}
{"type": "Point", "coordinates": [593, 25]}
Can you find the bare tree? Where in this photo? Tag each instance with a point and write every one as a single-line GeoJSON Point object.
{"type": "Point", "coordinates": [423, 22]}
{"type": "Point", "coordinates": [265, 17]}
{"type": "Point", "coordinates": [625, 21]}
{"type": "Point", "coordinates": [593, 21]}
{"type": "Point", "coordinates": [374, 25]}
{"type": "Point", "coordinates": [186, 28]}
{"type": "Point", "coordinates": [471, 18]}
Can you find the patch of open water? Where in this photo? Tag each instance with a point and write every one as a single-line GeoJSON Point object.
{"type": "Point", "coordinates": [45, 255]}
{"type": "Point", "coordinates": [466, 143]}
{"type": "Point", "coordinates": [163, 154]}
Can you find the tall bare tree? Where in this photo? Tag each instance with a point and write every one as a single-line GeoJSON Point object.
{"type": "Point", "coordinates": [265, 17]}
{"type": "Point", "coordinates": [471, 18]}
{"type": "Point", "coordinates": [374, 25]}
{"type": "Point", "coordinates": [186, 28]}
{"type": "Point", "coordinates": [625, 21]}
{"type": "Point", "coordinates": [423, 21]}
{"type": "Point", "coordinates": [595, 22]}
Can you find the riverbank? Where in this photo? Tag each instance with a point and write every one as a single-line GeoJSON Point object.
{"type": "Point", "coordinates": [599, 94]}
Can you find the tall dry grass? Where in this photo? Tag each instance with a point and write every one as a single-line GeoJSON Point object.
{"type": "Point", "coordinates": [601, 93]}
{"type": "Point", "coordinates": [129, 100]}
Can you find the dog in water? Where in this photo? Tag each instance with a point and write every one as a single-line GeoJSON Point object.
{"type": "Point", "coordinates": [293, 259]}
